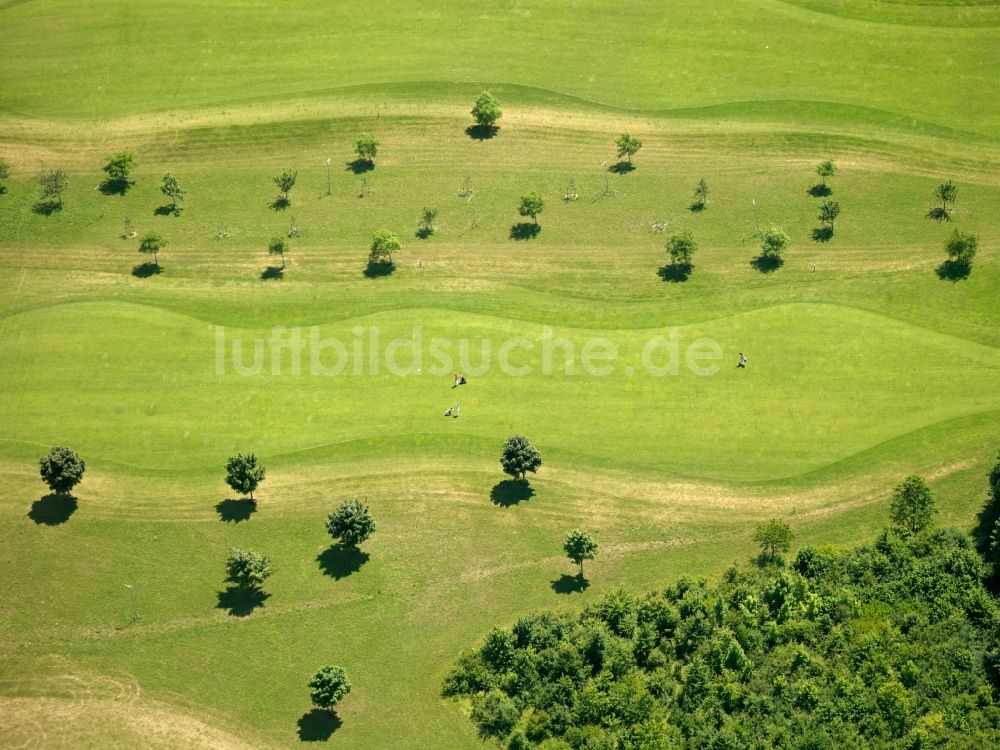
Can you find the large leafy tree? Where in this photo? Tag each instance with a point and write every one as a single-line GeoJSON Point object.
{"type": "Point", "coordinates": [961, 248]}
{"type": "Point", "coordinates": [52, 184]}
{"type": "Point", "coordinates": [774, 537]}
{"type": "Point", "coordinates": [247, 569]}
{"type": "Point", "coordinates": [773, 241]}
{"type": "Point", "coordinates": [519, 457]}
{"type": "Point", "coordinates": [825, 170]}
{"type": "Point", "coordinates": [244, 473]}
{"type": "Point", "coordinates": [384, 244]}
{"type": "Point", "coordinates": [580, 546]}
{"type": "Point", "coordinates": [828, 212]}
{"type": "Point", "coordinates": [352, 523]}
{"type": "Point", "coordinates": [681, 248]}
{"type": "Point", "coordinates": [912, 506]}
{"type": "Point", "coordinates": [628, 146]}
{"type": "Point", "coordinates": [366, 147]}
{"type": "Point", "coordinates": [946, 192]}
{"type": "Point", "coordinates": [151, 244]}
{"type": "Point", "coordinates": [328, 686]}
{"type": "Point", "coordinates": [118, 167]}
{"type": "Point", "coordinates": [486, 110]}
{"type": "Point", "coordinates": [61, 469]}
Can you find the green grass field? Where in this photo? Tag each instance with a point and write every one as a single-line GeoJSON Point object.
{"type": "Point", "coordinates": [865, 366]}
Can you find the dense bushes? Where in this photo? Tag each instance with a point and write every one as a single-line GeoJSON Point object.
{"type": "Point", "coordinates": [885, 646]}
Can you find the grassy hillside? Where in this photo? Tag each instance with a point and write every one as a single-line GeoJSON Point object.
{"type": "Point", "coordinates": [865, 365]}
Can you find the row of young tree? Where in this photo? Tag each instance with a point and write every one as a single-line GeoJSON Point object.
{"type": "Point", "coordinates": [893, 645]}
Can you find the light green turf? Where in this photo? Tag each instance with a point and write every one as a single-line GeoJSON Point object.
{"type": "Point", "coordinates": [864, 365]}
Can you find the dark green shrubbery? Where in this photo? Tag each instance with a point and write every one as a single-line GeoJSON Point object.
{"type": "Point", "coordinates": [891, 645]}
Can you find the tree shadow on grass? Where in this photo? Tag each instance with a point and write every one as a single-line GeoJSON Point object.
{"type": "Point", "coordinates": [241, 602]}
{"type": "Point", "coordinates": [622, 167]}
{"type": "Point", "coordinates": [234, 511]}
{"type": "Point", "coordinates": [820, 191]}
{"type": "Point", "coordinates": [318, 725]}
{"type": "Point", "coordinates": [953, 270]}
{"type": "Point", "coordinates": [482, 132]}
{"type": "Point", "coordinates": [272, 273]}
{"type": "Point", "coordinates": [52, 510]}
{"type": "Point", "coordinates": [47, 208]}
{"type": "Point", "coordinates": [511, 492]}
{"type": "Point", "coordinates": [676, 272]}
{"type": "Point", "coordinates": [525, 230]}
{"type": "Point", "coordinates": [697, 207]}
{"type": "Point", "coordinates": [115, 187]}
{"type": "Point", "coordinates": [767, 263]}
{"type": "Point", "coordinates": [145, 270]}
{"type": "Point", "coordinates": [167, 210]}
{"type": "Point", "coordinates": [939, 214]}
{"type": "Point", "coordinates": [280, 203]}
{"type": "Point", "coordinates": [378, 268]}
{"type": "Point", "coordinates": [423, 233]}
{"type": "Point", "coordinates": [360, 166]}
{"type": "Point", "coordinates": [822, 234]}
{"type": "Point", "coordinates": [567, 584]}
{"type": "Point", "coordinates": [340, 560]}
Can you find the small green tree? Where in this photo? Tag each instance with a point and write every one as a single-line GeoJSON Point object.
{"type": "Point", "coordinates": [681, 248]}
{"type": "Point", "coordinates": [486, 110]}
{"type": "Point", "coordinates": [701, 194]}
{"type": "Point", "coordinates": [328, 686]}
{"type": "Point", "coordinates": [151, 244]}
{"type": "Point", "coordinates": [367, 147]}
{"type": "Point", "coordinates": [427, 217]}
{"type": "Point", "coordinates": [961, 248]}
{"type": "Point", "coordinates": [519, 457]}
{"type": "Point", "coordinates": [244, 473]}
{"type": "Point", "coordinates": [773, 241]}
{"type": "Point", "coordinates": [531, 205]}
{"type": "Point", "coordinates": [828, 212]}
{"type": "Point", "coordinates": [774, 537]}
{"type": "Point", "coordinates": [118, 168]}
{"type": "Point", "coordinates": [172, 190]}
{"type": "Point", "coordinates": [351, 523]}
{"type": "Point", "coordinates": [628, 146]}
{"type": "Point", "coordinates": [946, 192]}
{"type": "Point", "coordinates": [912, 506]}
{"type": "Point", "coordinates": [384, 244]}
{"type": "Point", "coordinates": [61, 469]}
{"type": "Point", "coordinates": [278, 246]}
{"type": "Point", "coordinates": [4, 174]}
{"type": "Point", "coordinates": [52, 183]}
{"type": "Point", "coordinates": [285, 182]}
{"type": "Point", "coordinates": [247, 569]}
{"type": "Point", "coordinates": [825, 170]}
{"type": "Point", "coordinates": [580, 546]}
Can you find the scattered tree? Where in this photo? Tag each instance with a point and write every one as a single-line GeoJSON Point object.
{"type": "Point", "coordinates": [912, 506]}
{"type": "Point", "coordinates": [774, 537]}
{"type": "Point", "coordinates": [366, 148]}
{"type": "Point", "coordinates": [580, 546]}
{"type": "Point", "coordinates": [681, 248]}
{"type": "Point", "coordinates": [427, 218]}
{"type": "Point", "coordinates": [519, 457]}
{"type": "Point", "coordinates": [486, 110]}
{"type": "Point", "coordinates": [701, 194]}
{"type": "Point", "coordinates": [328, 686]}
{"type": "Point", "coordinates": [961, 248]}
{"type": "Point", "coordinates": [285, 182]}
{"type": "Point", "coordinates": [151, 244]}
{"type": "Point", "coordinates": [773, 241]}
{"type": "Point", "coordinates": [117, 170]}
{"type": "Point", "coordinates": [351, 523]}
{"type": "Point", "coordinates": [628, 146]}
{"type": "Point", "coordinates": [531, 205]}
{"type": "Point", "coordinates": [825, 169]}
{"type": "Point", "coordinates": [828, 212]}
{"type": "Point", "coordinates": [62, 469]}
{"type": "Point", "coordinates": [172, 190]}
{"type": "Point", "coordinates": [52, 183]}
{"type": "Point", "coordinates": [243, 473]}
{"type": "Point", "coordinates": [384, 244]}
{"type": "Point", "coordinates": [4, 174]}
{"type": "Point", "coordinates": [278, 246]}
{"type": "Point", "coordinates": [946, 192]}
{"type": "Point", "coordinates": [247, 569]}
